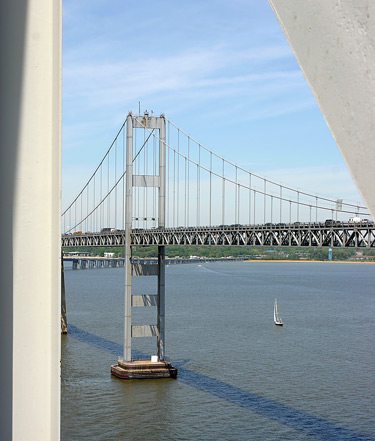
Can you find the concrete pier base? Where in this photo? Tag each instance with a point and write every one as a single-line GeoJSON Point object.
{"type": "Point", "coordinates": [143, 369]}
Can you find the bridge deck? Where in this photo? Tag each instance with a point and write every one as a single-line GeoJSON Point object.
{"type": "Point", "coordinates": [339, 235]}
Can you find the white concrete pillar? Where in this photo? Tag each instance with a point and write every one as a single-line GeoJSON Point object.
{"type": "Point", "coordinates": [334, 43]}
{"type": "Point", "coordinates": [30, 146]}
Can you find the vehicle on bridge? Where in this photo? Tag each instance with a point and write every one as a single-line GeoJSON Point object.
{"type": "Point", "coordinates": [108, 230]}
{"type": "Point", "coordinates": [355, 220]}
{"type": "Point", "coordinates": [329, 223]}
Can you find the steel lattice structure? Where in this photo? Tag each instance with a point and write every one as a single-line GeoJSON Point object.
{"type": "Point", "coordinates": [303, 235]}
{"type": "Point", "coordinates": [199, 188]}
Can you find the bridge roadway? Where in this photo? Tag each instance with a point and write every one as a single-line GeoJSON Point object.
{"type": "Point", "coordinates": [333, 235]}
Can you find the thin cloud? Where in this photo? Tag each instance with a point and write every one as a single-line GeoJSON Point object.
{"type": "Point", "coordinates": [331, 181]}
{"type": "Point", "coordinates": [92, 86]}
{"type": "Point", "coordinates": [224, 73]}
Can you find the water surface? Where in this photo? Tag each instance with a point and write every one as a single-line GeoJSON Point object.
{"type": "Point", "coordinates": [240, 377]}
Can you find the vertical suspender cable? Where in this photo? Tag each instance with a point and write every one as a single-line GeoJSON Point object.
{"type": "Point", "coordinates": [123, 180]}
{"type": "Point", "coordinates": [249, 198]}
{"type": "Point", "coordinates": [188, 183]}
{"type": "Point", "coordinates": [264, 202]}
{"type": "Point", "coordinates": [168, 202]}
{"type": "Point", "coordinates": [101, 197]}
{"type": "Point", "coordinates": [87, 221]}
{"type": "Point", "coordinates": [135, 189]}
{"type": "Point", "coordinates": [223, 198]}
{"type": "Point", "coordinates": [198, 183]}
{"type": "Point", "coordinates": [297, 206]}
{"type": "Point", "coordinates": [290, 211]}
{"type": "Point", "coordinates": [239, 202]}
{"type": "Point", "coordinates": [146, 192]}
{"type": "Point", "coordinates": [108, 197]}
{"type": "Point", "coordinates": [210, 209]}
{"type": "Point", "coordinates": [174, 189]}
{"type": "Point", "coordinates": [96, 213]}
{"type": "Point", "coordinates": [115, 223]}
{"type": "Point", "coordinates": [254, 207]}
{"type": "Point", "coordinates": [144, 224]}
{"type": "Point", "coordinates": [178, 175]}
{"type": "Point", "coordinates": [281, 201]}
{"type": "Point", "coordinates": [185, 202]}
{"type": "Point", "coordinates": [80, 221]}
{"type": "Point", "coordinates": [235, 197]}
{"type": "Point", "coordinates": [154, 216]}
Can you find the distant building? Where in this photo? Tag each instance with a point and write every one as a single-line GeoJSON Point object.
{"type": "Point", "coordinates": [110, 255]}
{"type": "Point", "coordinates": [76, 253]}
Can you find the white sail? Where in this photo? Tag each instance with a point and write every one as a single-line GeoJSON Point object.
{"type": "Point", "coordinates": [274, 311]}
{"type": "Point", "coordinates": [277, 320]}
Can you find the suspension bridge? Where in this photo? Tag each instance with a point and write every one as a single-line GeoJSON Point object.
{"type": "Point", "coordinates": [156, 185]}
{"type": "Point", "coordinates": [204, 200]}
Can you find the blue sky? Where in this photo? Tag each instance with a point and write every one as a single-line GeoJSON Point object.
{"type": "Point", "coordinates": [222, 71]}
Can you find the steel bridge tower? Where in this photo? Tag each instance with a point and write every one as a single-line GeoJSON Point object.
{"type": "Point", "coordinates": [157, 367]}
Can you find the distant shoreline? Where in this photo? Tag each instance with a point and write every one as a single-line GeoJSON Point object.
{"type": "Point", "coordinates": [308, 261]}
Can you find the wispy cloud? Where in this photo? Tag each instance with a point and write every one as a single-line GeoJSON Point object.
{"type": "Point", "coordinates": [191, 78]}
{"type": "Point", "coordinates": [330, 181]}
{"type": "Point", "coordinates": [190, 69]}
{"type": "Point", "coordinates": [226, 73]}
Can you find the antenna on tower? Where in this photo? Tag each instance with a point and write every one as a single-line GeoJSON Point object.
{"type": "Point", "coordinates": [139, 106]}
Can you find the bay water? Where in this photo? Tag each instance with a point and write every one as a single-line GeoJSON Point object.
{"type": "Point", "coordinates": [240, 376]}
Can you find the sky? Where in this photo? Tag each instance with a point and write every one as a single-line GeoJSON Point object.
{"type": "Point", "coordinates": [222, 71]}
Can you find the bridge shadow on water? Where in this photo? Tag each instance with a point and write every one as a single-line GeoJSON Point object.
{"type": "Point", "coordinates": [315, 427]}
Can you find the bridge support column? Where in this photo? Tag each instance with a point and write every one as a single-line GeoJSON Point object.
{"type": "Point", "coordinates": [64, 328]}
{"type": "Point", "coordinates": [128, 228]}
{"type": "Point", "coordinates": [158, 367]}
{"type": "Point", "coordinates": [161, 302]}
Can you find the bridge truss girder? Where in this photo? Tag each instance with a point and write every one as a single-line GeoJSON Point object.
{"type": "Point", "coordinates": [308, 235]}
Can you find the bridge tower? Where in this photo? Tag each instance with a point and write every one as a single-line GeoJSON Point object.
{"type": "Point", "coordinates": [156, 367]}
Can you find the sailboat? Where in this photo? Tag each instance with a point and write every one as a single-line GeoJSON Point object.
{"type": "Point", "coordinates": [276, 319]}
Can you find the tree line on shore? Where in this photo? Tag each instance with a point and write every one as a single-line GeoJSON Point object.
{"type": "Point", "coordinates": [258, 253]}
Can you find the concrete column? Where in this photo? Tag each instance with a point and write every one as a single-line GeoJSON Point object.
{"type": "Point", "coordinates": [333, 42]}
{"type": "Point", "coordinates": [30, 134]}
{"type": "Point", "coordinates": [128, 229]}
